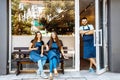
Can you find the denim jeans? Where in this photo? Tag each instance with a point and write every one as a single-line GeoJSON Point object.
{"type": "Point", "coordinates": [41, 63]}
{"type": "Point", "coordinates": [53, 64]}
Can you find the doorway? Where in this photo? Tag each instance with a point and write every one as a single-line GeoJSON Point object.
{"type": "Point", "coordinates": [87, 9]}
{"type": "Point", "coordinates": [96, 12]}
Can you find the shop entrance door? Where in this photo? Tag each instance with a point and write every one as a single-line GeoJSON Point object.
{"type": "Point", "coordinates": [101, 40]}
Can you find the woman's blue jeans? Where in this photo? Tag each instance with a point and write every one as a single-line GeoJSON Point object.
{"type": "Point", "coordinates": [41, 63]}
{"type": "Point", "coordinates": [53, 64]}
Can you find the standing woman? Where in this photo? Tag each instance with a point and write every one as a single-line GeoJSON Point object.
{"type": "Point", "coordinates": [54, 47]}
{"type": "Point", "coordinates": [36, 53]}
{"type": "Point", "coordinates": [87, 32]}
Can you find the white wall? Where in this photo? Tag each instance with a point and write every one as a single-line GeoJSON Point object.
{"type": "Point", "coordinates": [20, 41]}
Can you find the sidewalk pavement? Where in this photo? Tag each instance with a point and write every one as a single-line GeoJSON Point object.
{"type": "Point", "coordinates": [81, 75]}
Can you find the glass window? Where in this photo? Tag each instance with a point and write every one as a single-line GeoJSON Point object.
{"type": "Point", "coordinates": [44, 16]}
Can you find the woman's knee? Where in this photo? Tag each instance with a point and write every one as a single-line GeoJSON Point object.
{"type": "Point", "coordinates": [54, 59]}
{"type": "Point", "coordinates": [45, 57]}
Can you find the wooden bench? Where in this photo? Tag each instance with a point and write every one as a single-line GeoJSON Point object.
{"type": "Point", "coordinates": [21, 56]}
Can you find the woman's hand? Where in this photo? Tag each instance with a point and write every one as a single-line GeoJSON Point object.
{"type": "Point", "coordinates": [32, 48]}
{"type": "Point", "coordinates": [41, 55]}
{"type": "Point", "coordinates": [65, 57]}
{"type": "Point", "coordinates": [47, 47]}
{"type": "Point", "coordinates": [35, 48]}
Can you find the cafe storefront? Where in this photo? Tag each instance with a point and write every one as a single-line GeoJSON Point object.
{"type": "Point", "coordinates": [103, 14]}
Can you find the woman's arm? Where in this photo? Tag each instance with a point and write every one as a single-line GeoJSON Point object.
{"type": "Point", "coordinates": [47, 47]}
{"type": "Point", "coordinates": [62, 52]}
{"type": "Point", "coordinates": [30, 47]}
{"type": "Point", "coordinates": [42, 50]}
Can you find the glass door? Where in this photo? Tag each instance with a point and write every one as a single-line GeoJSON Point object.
{"type": "Point", "coordinates": [101, 35]}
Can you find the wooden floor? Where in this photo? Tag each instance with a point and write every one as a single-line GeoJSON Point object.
{"type": "Point", "coordinates": [84, 64]}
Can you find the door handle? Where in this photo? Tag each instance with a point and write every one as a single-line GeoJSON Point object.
{"type": "Point", "coordinates": [94, 37]}
{"type": "Point", "coordinates": [100, 37]}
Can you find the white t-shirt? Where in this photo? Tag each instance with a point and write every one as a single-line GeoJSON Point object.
{"type": "Point", "coordinates": [86, 27]}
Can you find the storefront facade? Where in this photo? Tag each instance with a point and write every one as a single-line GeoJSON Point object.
{"type": "Point", "coordinates": [106, 38]}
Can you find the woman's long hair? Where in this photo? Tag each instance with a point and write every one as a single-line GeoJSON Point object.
{"type": "Point", "coordinates": [57, 41]}
{"type": "Point", "coordinates": [36, 38]}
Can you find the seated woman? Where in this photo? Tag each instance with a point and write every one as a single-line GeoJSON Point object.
{"type": "Point", "coordinates": [54, 47]}
{"type": "Point", "coordinates": [36, 53]}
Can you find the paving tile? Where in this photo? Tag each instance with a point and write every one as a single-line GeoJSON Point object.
{"type": "Point", "coordinates": [77, 78]}
{"type": "Point", "coordinates": [82, 75]}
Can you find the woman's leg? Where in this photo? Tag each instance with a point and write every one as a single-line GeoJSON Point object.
{"type": "Point", "coordinates": [54, 60]}
{"type": "Point", "coordinates": [43, 62]}
{"type": "Point", "coordinates": [51, 65]}
{"type": "Point", "coordinates": [55, 66]}
{"type": "Point", "coordinates": [51, 68]}
{"type": "Point", "coordinates": [40, 66]}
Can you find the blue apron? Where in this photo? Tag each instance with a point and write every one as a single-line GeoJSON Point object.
{"type": "Point", "coordinates": [54, 52]}
{"type": "Point", "coordinates": [35, 54]}
{"type": "Point", "coordinates": [89, 49]}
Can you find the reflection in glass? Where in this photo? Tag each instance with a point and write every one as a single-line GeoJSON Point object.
{"type": "Point", "coordinates": [46, 16]}
{"type": "Point", "coordinates": [29, 16]}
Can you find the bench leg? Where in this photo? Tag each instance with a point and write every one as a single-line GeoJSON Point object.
{"type": "Point", "coordinates": [21, 67]}
{"type": "Point", "coordinates": [62, 66]}
{"type": "Point", "coordinates": [17, 71]}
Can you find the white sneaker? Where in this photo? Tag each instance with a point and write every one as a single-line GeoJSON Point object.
{"type": "Point", "coordinates": [43, 75]}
